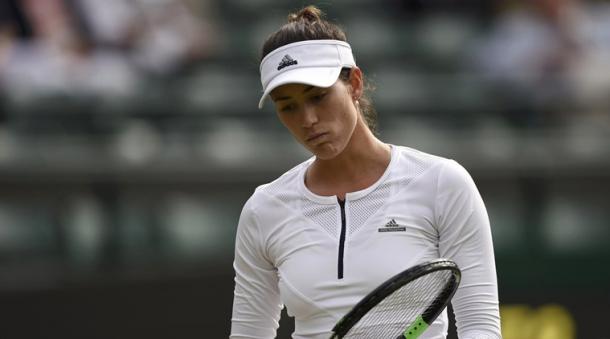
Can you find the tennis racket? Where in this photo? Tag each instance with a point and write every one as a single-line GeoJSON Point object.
{"type": "Point", "coordinates": [404, 306]}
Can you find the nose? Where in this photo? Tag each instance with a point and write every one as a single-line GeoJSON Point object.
{"type": "Point", "coordinates": [309, 117]}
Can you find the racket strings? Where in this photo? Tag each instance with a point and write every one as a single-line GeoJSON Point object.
{"type": "Point", "coordinates": [397, 311]}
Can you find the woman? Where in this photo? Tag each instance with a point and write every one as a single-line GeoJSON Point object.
{"type": "Point", "coordinates": [333, 228]}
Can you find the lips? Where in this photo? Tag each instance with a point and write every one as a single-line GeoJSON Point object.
{"type": "Point", "coordinates": [315, 136]}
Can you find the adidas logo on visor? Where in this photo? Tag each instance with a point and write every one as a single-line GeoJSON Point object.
{"type": "Point", "coordinates": [287, 60]}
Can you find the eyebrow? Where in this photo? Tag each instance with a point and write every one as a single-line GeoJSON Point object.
{"type": "Point", "coordinates": [307, 89]}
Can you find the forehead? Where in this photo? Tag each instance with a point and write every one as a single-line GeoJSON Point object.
{"type": "Point", "coordinates": [291, 90]}
{"type": "Point", "coordinates": [294, 90]}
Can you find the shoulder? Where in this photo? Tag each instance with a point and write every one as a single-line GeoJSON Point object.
{"type": "Point", "coordinates": [284, 188]}
{"type": "Point", "coordinates": [266, 208]}
{"type": "Point", "coordinates": [414, 163]}
{"type": "Point", "coordinates": [447, 173]}
{"type": "Point", "coordinates": [417, 157]}
{"type": "Point", "coordinates": [453, 175]}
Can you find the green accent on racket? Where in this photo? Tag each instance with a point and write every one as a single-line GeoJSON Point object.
{"type": "Point", "coordinates": [416, 329]}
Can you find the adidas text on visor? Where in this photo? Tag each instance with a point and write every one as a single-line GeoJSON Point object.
{"type": "Point", "coordinates": [311, 62]}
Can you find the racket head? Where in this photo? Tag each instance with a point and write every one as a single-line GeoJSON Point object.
{"type": "Point", "coordinates": [451, 275]}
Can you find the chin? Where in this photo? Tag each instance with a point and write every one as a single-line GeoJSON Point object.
{"type": "Point", "coordinates": [326, 152]}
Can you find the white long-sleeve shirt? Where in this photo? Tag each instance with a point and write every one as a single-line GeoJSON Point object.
{"type": "Point", "coordinates": [319, 258]}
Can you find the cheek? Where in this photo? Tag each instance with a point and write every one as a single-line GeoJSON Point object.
{"type": "Point", "coordinates": [343, 111]}
{"type": "Point", "coordinates": [290, 123]}
{"type": "Point", "coordinates": [285, 120]}
{"type": "Point", "coordinates": [349, 114]}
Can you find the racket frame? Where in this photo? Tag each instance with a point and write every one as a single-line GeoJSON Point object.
{"type": "Point", "coordinates": [396, 282]}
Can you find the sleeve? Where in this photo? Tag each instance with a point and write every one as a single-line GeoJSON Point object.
{"type": "Point", "coordinates": [256, 303]}
{"type": "Point", "coordinates": [465, 237]}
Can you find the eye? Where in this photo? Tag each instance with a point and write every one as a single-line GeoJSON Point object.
{"type": "Point", "coordinates": [287, 108]}
{"type": "Point", "coordinates": [318, 97]}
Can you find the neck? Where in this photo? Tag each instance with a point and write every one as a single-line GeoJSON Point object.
{"type": "Point", "coordinates": [360, 165]}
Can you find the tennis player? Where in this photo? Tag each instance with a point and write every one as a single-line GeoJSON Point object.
{"type": "Point", "coordinates": [330, 230]}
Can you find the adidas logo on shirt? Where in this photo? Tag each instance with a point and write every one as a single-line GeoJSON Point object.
{"type": "Point", "coordinates": [392, 226]}
{"type": "Point", "coordinates": [287, 60]}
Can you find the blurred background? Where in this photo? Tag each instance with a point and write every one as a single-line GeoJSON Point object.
{"type": "Point", "coordinates": [130, 139]}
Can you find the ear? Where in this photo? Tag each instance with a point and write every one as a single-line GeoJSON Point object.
{"type": "Point", "coordinates": [356, 82]}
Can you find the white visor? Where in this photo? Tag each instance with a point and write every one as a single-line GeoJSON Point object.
{"type": "Point", "coordinates": [311, 62]}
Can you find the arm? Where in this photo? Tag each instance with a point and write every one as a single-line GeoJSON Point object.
{"type": "Point", "coordinates": [465, 237]}
{"type": "Point", "coordinates": [256, 303]}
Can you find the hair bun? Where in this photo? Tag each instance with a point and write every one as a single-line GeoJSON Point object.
{"type": "Point", "coordinates": [308, 14]}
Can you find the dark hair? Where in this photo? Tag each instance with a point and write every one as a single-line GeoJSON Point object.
{"type": "Point", "coordinates": [307, 24]}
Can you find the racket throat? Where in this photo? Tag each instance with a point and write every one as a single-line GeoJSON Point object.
{"type": "Point", "coordinates": [341, 240]}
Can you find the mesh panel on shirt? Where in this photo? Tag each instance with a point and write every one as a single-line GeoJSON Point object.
{"type": "Point", "coordinates": [278, 190]}
{"type": "Point", "coordinates": [416, 164]}
{"type": "Point", "coordinates": [362, 209]}
{"type": "Point", "coordinates": [411, 168]}
{"type": "Point", "coordinates": [323, 215]}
